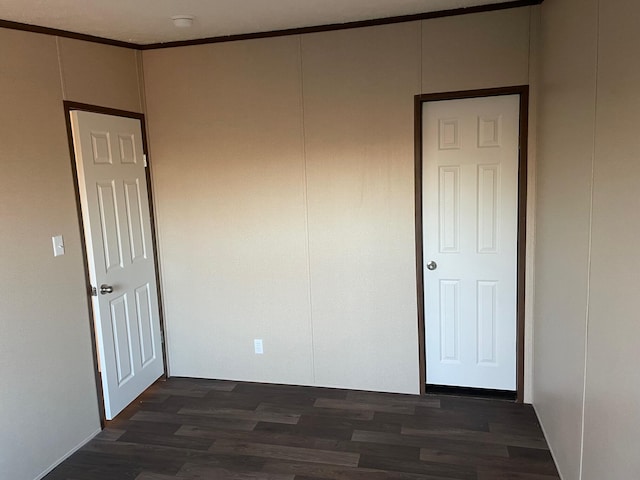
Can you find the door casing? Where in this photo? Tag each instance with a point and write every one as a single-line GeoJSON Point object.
{"type": "Point", "coordinates": [419, 100]}
{"type": "Point", "coordinates": [71, 106]}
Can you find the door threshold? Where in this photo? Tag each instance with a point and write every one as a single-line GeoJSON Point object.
{"type": "Point", "coordinates": [508, 395]}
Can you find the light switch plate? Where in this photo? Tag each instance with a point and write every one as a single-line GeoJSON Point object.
{"type": "Point", "coordinates": [58, 245]}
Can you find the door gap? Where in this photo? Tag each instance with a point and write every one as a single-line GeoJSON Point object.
{"type": "Point", "coordinates": [508, 395]}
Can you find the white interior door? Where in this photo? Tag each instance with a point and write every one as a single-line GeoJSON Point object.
{"type": "Point", "coordinates": [113, 190]}
{"type": "Point", "coordinates": [470, 223]}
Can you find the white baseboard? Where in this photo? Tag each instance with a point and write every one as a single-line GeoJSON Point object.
{"type": "Point", "coordinates": [67, 455]}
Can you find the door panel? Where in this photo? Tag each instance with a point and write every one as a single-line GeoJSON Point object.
{"type": "Point", "coordinates": [121, 332]}
{"type": "Point", "coordinates": [135, 220]}
{"type": "Point", "coordinates": [116, 217]}
{"type": "Point", "coordinates": [470, 218]}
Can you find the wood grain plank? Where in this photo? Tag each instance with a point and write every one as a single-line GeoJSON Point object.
{"type": "Point", "coordinates": [425, 401]}
{"type": "Point", "coordinates": [333, 472]}
{"type": "Point", "coordinates": [223, 423]}
{"type": "Point", "coordinates": [327, 412]}
{"type": "Point", "coordinates": [493, 474]}
{"type": "Point", "coordinates": [200, 471]}
{"type": "Point", "coordinates": [231, 447]}
{"type": "Point", "coordinates": [233, 413]}
{"type": "Point", "coordinates": [459, 472]}
{"type": "Point", "coordinates": [391, 407]}
{"type": "Point", "coordinates": [499, 463]}
{"type": "Point", "coordinates": [480, 437]}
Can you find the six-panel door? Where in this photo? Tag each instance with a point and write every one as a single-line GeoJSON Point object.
{"type": "Point", "coordinates": [113, 190]}
{"type": "Point", "coordinates": [470, 221]}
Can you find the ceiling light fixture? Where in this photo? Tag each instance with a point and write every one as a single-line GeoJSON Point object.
{"type": "Point", "coordinates": [182, 21]}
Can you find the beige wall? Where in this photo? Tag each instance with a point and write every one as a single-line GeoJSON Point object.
{"type": "Point", "coordinates": [358, 99]}
{"type": "Point", "coordinates": [283, 176]}
{"type": "Point", "coordinates": [587, 330]}
{"type": "Point", "coordinates": [468, 52]}
{"type": "Point", "coordinates": [227, 157]}
{"type": "Point", "coordinates": [48, 402]}
{"type": "Point", "coordinates": [612, 416]}
{"type": "Point", "coordinates": [100, 75]}
{"type": "Point", "coordinates": [565, 153]}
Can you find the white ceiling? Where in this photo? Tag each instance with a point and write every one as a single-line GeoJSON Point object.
{"type": "Point", "coordinates": [149, 21]}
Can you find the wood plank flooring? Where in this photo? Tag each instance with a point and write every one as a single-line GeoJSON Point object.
{"type": "Point", "coordinates": [191, 429]}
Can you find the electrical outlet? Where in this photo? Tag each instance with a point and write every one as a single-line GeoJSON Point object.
{"type": "Point", "coordinates": [257, 346]}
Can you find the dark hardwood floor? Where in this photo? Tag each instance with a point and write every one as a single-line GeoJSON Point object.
{"type": "Point", "coordinates": [205, 429]}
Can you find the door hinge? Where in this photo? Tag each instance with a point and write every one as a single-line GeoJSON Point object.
{"type": "Point", "coordinates": [144, 157]}
{"type": "Point", "coordinates": [94, 292]}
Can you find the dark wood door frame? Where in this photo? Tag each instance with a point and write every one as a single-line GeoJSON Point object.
{"type": "Point", "coordinates": [75, 106]}
{"type": "Point", "coordinates": [419, 100]}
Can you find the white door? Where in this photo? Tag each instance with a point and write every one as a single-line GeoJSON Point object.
{"type": "Point", "coordinates": [470, 223]}
{"type": "Point", "coordinates": [117, 227]}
